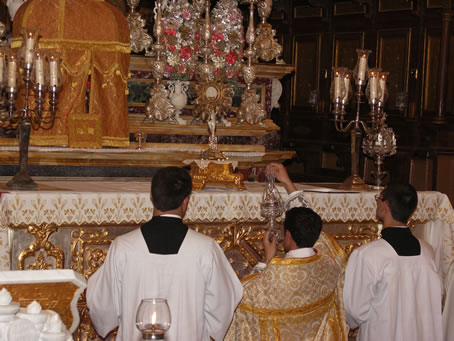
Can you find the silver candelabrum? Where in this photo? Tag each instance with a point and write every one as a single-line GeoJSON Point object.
{"type": "Point", "coordinates": [374, 82]}
{"type": "Point", "coordinates": [41, 73]}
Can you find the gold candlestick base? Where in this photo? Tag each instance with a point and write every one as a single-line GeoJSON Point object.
{"type": "Point", "coordinates": [216, 173]}
{"type": "Point", "coordinates": [356, 183]}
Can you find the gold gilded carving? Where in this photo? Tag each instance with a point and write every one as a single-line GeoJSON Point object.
{"type": "Point", "coordinates": [86, 252]}
{"type": "Point", "coordinates": [212, 96]}
{"type": "Point", "coordinates": [41, 234]}
{"type": "Point", "coordinates": [267, 48]}
{"type": "Point", "coordinates": [159, 107]}
{"type": "Point", "coordinates": [242, 243]}
{"type": "Point", "coordinates": [250, 110]}
{"type": "Point", "coordinates": [40, 263]}
{"type": "Point", "coordinates": [356, 236]}
{"type": "Point", "coordinates": [53, 296]}
{"type": "Point", "coordinates": [216, 174]}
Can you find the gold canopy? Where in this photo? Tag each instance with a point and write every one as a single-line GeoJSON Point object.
{"type": "Point", "coordinates": [93, 37]}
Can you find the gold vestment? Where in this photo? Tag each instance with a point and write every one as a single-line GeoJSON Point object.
{"type": "Point", "coordinates": [294, 299]}
{"type": "Point", "coordinates": [93, 38]}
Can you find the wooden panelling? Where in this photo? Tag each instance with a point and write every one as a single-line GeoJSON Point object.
{"type": "Point", "coordinates": [431, 74]}
{"type": "Point", "coordinates": [307, 68]}
{"type": "Point", "coordinates": [437, 3]}
{"type": "Point", "coordinates": [301, 12]}
{"type": "Point", "coordinates": [394, 5]}
{"type": "Point", "coordinates": [393, 56]}
{"type": "Point", "coordinates": [421, 173]}
{"type": "Point", "coordinates": [431, 71]}
{"type": "Point", "coordinates": [345, 45]}
{"type": "Point", "coordinates": [450, 86]}
{"type": "Point", "coordinates": [345, 8]}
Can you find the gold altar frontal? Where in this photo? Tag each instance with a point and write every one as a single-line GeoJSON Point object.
{"type": "Point", "coordinates": [72, 224]}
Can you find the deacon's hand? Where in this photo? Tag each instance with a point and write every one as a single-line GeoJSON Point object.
{"type": "Point", "coordinates": [281, 174]}
{"type": "Point", "coordinates": [269, 247]}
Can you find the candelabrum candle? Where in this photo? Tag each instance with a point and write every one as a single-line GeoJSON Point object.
{"type": "Point", "coordinates": [337, 85]}
{"type": "Point", "coordinates": [53, 71]}
{"type": "Point", "coordinates": [382, 83]}
{"type": "Point", "coordinates": [12, 68]}
{"type": "Point", "coordinates": [2, 66]}
{"type": "Point", "coordinates": [39, 69]}
{"type": "Point", "coordinates": [362, 67]}
{"type": "Point", "coordinates": [29, 45]}
{"type": "Point", "coordinates": [347, 77]}
{"type": "Point", "coordinates": [373, 94]}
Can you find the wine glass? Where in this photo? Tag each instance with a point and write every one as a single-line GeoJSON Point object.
{"type": "Point", "coordinates": [272, 206]}
{"type": "Point", "coordinates": [153, 318]}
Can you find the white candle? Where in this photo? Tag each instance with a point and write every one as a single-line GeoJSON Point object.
{"type": "Point", "coordinates": [2, 66]}
{"type": "Point", "coordinates": [337, 86]}
{"type": "Point", "coordinates": [362, 67]}
{"type": "Point", "coordinates": [29, 44]}
{"type": "Point", "coordinates": [12, 67]}
{"type": "Point", "coordinates": [39, 70]}
{"type": "Point", "coordinates": [382, 84]}
{"type": "Point", "coordinates": [53, 71]}
{"type": "Point", "coordinates": [347, 87]}
{"type": "Point", "coordinates": [372, 86]}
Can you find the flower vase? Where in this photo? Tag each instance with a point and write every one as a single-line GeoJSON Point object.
{"type": "Point", "coordinates": [178, 97]}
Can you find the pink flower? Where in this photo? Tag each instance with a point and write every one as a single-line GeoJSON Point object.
{"type": "Point", "coordinates": [231, 58]}
{"type": "Point", "coordinates": [220, 36]}
{"type": "Point", "coordinates": [197, 36]}
{"type": "Point", "coordinates": [169, 68]}
{"type": "Point", "coordinates": [186, 14]}
{"type": "Point", "coordinates": [181, 69]}
{"type": "Point", "coordinates": [218, 53]}
{"type": "Point", "coordinates": [172, 48]}
{"type": "Point", "coordinates": [229, 73]}
{"type": "Point", "coordinates": [233, 19]}
{"type": "Point", "coordinates": [185, 53]}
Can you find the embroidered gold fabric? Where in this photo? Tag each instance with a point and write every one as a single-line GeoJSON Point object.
{"type": "Point", "coordinates": [294, 299]}
{"type": "Point", "coordinates": [93, 37]}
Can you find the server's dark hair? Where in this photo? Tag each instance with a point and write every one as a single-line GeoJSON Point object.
{"type": "Point", "coordinates": [169, 187]}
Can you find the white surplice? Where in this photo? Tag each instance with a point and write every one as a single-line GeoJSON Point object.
{"type": "Point", "coordinates": [391, 297]}
{"type": "Point", "coordinates": [199, 284]}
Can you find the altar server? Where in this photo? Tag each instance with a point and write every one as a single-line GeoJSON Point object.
{"type": "Point", "coordinates": [392, 289]}
{"type": "Point", "coordinates": [165, 259]}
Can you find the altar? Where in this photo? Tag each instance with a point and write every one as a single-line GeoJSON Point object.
{"type": "Point", "coordinates": [70, 224]}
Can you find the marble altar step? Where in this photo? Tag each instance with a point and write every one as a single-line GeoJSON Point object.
{"type": "Point", "coordinates": [71, 162]}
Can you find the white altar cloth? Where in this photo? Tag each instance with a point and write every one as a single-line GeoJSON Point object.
{"type": "Point", "coordinates": [78, 203]}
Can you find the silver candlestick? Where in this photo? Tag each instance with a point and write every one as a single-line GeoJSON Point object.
{"type": "Point", "coordinates": [42, 69]}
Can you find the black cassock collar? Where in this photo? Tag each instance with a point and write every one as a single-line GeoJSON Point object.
{"type": "Point", "coordinates": [402, 241]}
{"type": "Point", "coordinates": [164, 235]}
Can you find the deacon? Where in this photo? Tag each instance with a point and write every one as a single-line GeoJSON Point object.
{"type": "Point", "coordinates": [298, 297]}
{"type": "Point", "coordinates": [392, 289]}
{"type": "Point", "coordinates": [165, 259]}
